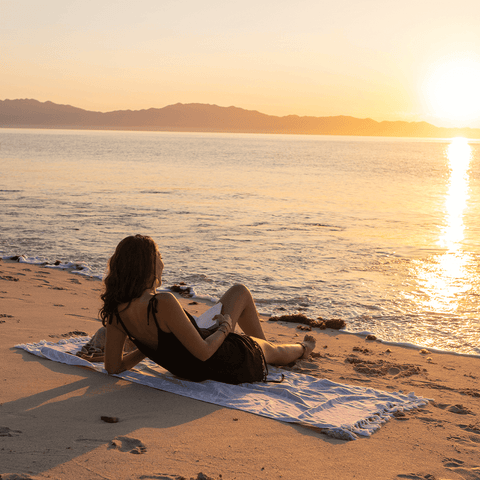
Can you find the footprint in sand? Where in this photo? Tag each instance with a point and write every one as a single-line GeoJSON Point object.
{"type": "Point", "coordinates": [127, 444]}
{"type": "Point", "coordinates": [435, 422]}
{"type": "Point", "coordinates": [401, 418]}
{"type": "Point", "coordinates": [415, 476]}
{"type": "Point", "coordinates": [471, 428]}
{"type": "Point", "coordinates": [7, 432]}
{"type": "Point", "coordinates": [441, 406]}
{"type": "Point", "coordinates": [460, 410]}
{"type": "Point", "coordinates": [452, 463]}
{"type": "Point", "coordinates": [470, 441]}
{"type": "Point", "coordinates": [9, 278]}
{"type": "Point", "coordinates": [464, 470]}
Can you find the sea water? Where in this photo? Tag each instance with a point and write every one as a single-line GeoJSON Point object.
{"type": "Point", "coordinates": [381, 232]}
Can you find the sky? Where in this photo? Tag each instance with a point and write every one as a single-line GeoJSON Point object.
{"type": "Point", "coordinates": [412, 60]}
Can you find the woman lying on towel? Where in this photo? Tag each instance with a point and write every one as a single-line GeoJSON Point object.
{"type": "Point", "coordinates": [162, 331]}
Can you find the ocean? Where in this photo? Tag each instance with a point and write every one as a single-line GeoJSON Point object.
{"type": "Point", "coordinates": [381, 232]}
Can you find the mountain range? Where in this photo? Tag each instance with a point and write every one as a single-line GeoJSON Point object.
{"type": "Point", "coordinates": [196, 117]}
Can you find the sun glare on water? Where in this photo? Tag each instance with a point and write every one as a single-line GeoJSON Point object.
{"type": "Point", "coordinates": [451, 90]}
{"type": "Point", "coordinates": [446, 278]}
{"type": "Point", "coordinates": [458, 153]}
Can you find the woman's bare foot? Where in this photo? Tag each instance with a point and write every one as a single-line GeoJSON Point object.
{"type": "Point", "coordinates": [308, 343]}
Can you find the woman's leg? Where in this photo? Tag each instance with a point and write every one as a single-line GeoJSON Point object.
{"type": "Point", "coordinates": [238, 303]}
{"type": "Point", "coordinates": [283, 354]}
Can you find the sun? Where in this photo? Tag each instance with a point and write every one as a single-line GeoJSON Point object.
{"type": "Point", "coordinates": [451, 90]}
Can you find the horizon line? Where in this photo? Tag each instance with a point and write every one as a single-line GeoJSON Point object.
{"type": "Point", "coordinates": [236, 107]}
{"type": "Point", "coordinates": [448, 131]}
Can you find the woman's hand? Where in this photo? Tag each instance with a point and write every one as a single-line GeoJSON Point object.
{"type": "Point", "coordinates": [224, 322]}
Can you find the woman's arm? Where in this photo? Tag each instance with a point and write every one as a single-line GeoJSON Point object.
{"type": "Point", "coordinates": [180, 325]}
{"type": "Point", "coordinates": [115, 360]}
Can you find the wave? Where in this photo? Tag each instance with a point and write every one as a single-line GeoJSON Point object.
{"type": "Point", "coordinates": [288, 306]}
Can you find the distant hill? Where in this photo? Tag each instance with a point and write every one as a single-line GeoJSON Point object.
{"type": "Point", "coordinates": [196, 117]}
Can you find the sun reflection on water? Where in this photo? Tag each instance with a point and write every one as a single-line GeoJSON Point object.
{"type": "Point", "coordinates": [445, 279]}
{"type": "Point", "coordinates": [459, 154]}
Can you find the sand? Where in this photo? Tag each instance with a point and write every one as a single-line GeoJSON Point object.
{"type": "Point", "coordinates": [51, 414]}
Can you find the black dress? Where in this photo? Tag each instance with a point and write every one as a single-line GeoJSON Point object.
{"type": "Point", "coordinates": [239, 359]}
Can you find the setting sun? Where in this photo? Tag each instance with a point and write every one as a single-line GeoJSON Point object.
{"type": "Point", "coordinates": [451, 90]}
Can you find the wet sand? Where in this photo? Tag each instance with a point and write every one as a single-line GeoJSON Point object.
{"type": "Point", "coordinates": [51, 414]}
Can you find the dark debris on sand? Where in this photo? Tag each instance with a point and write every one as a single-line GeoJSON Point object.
{"type": "Point", "coordinates": [182, 289]}
{"type": "Point", "coordinates": [74, 333]}
{"type": "Point", "coordinates": [200, 476]}
{"type": "Point", "coordinates": [334, 323]}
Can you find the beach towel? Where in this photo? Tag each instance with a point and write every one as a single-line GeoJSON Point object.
{"type": "Point", "coordinates": [341, 411]}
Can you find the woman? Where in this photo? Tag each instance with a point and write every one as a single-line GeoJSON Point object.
{"type": "Point", "coordinates": [162, 331]}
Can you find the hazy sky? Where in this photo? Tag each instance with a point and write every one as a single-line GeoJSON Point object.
{"type": "Point", "coordinates": [387, 60]}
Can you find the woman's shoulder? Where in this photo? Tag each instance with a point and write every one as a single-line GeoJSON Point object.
{"type": "Point", "coordinates": [163, 296]}
{"type": "Point", "coordinates": [140, 305]}
{"type": "Point", "coordinates": [165, 299]}
{"type": "Point", "coordinates": [148, 297]}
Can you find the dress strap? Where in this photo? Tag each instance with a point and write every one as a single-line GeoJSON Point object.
{"type": "Point", "coordinates": [153, 309]}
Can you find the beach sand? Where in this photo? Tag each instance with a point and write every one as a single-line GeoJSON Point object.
{"type": "Point", "coordinates": [50, 413]}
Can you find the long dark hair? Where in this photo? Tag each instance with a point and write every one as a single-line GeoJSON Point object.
{"type": "Point", "coordinates": [131, 271]}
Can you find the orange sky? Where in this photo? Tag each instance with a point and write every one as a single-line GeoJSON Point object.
{"type": "Point", "coordinates": [409, 60]}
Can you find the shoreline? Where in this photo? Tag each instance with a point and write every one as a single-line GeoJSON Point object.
{"type": "Point", "coordinates": [72, 267]}
{"type": "Point", "coordinates": [200, 130]}
{"type": "Point", "coordinates": [50, 423]}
